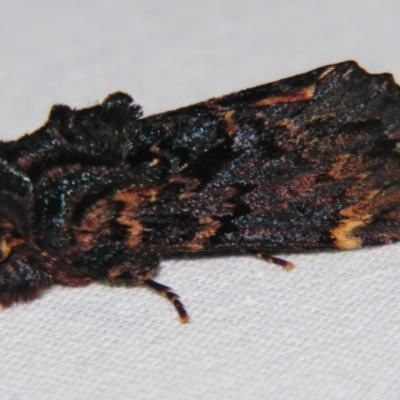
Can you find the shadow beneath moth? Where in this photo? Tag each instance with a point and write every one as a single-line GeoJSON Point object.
{"type": "Point", "coordinates": [306, 163]}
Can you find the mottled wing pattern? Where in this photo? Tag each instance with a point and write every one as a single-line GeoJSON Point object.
{"type": "Point", "coordinates": [306, 163]}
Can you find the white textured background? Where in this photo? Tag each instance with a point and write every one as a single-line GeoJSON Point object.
{"type": "Point", "coordinates": [330, 329]}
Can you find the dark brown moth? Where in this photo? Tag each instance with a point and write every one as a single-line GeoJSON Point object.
{"type": "Point", "coordinates": [101, 194]}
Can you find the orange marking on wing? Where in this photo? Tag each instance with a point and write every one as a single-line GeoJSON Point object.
{"type": "Point", "coordinates": [231, 127]}
{"type": "Point", "coordinates": [303, 94]}
{"type": "Point", "coordinates": [354, 216]}
{"type": "Point", "coordinates": [209, 228]}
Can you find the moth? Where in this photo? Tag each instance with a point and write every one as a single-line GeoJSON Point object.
{"type": "Point", "coordinates": [303, 164]}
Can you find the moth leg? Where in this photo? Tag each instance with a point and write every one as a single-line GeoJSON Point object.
{"type": "Point", "coordinates": [171, 296]}
{"type": "Point", "coordinates": [133, 268]}
{"type": "Point", "coordinates": [275, 260]}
